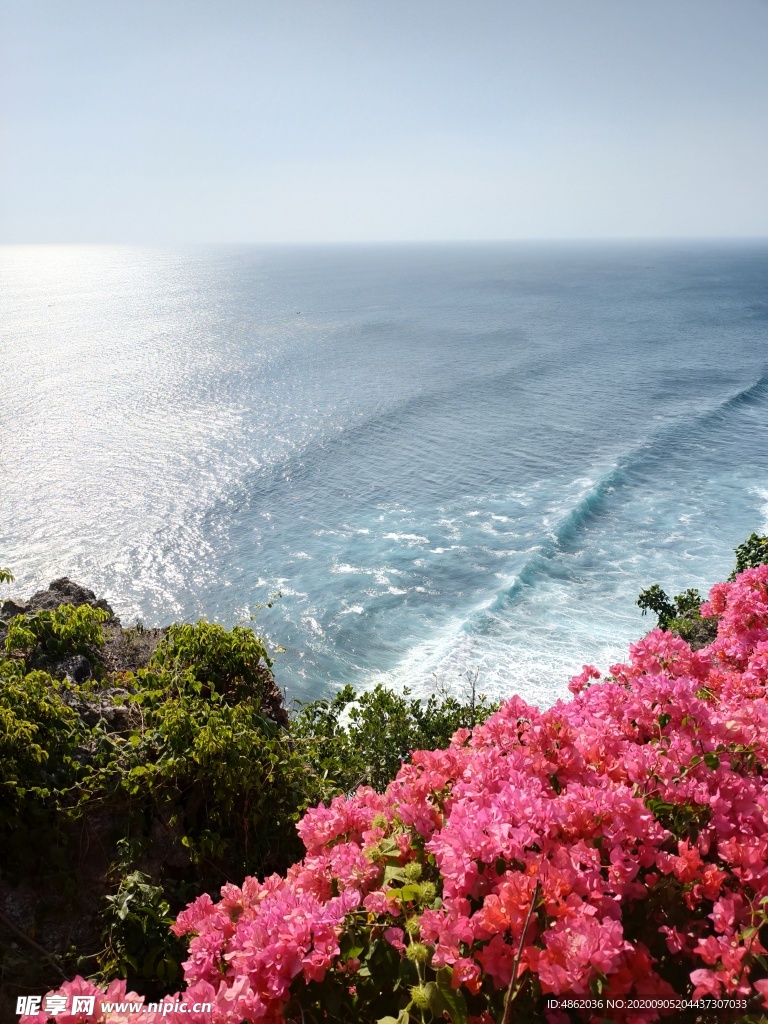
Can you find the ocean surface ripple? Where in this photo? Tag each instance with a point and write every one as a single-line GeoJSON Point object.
{"type": "Point", "coordinates": [447, 460]}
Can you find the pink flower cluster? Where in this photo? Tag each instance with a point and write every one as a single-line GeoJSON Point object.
{"type": "Point", "coordinates": [618, 840]}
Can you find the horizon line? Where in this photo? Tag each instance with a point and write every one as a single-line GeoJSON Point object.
{"type": "Point", "coordinates": [277, 243]}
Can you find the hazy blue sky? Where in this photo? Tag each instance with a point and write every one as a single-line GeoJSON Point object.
{"type": "Point", "coordinates": [314, 120]}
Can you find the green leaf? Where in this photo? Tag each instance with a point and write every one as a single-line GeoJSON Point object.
{"type": "Point", "coordinates": [711, 760]}
{"type": "Point", "coordinates": [446, 999]}
{"type": "Point", "coordinates": [394, 873]}
{"type": "Point", "coordinates": [408, 892]}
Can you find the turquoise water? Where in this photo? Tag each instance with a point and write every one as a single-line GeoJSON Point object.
{"type": "Point", "coordinates": [447, 459]}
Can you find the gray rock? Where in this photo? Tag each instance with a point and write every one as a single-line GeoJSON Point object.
{"type": "Point", "coordinates": [64, 591]}
{"type": "Point", "coordinates": [8, 609]}
{"type": "Point", "coordinates": [76, 667]}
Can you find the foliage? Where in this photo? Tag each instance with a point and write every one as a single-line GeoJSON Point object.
{"type": "Point", "coordinates": [615, 844]}
{"type": "Point", "coordinates": [6, 576]}
{"type": "Point", "coordinates": [212, 660]}
{"type": "Point", "coordinates": [681, 615]}
{"type": "Point", "coordinates": [363, 738]}
{"type": "Point", "coordinates": [137, 921]}
{"type": "Point", "coordinates": [192, 754]}
{"type": "Point", "coordinates": [39, 739]}
{"type": "Point", "coordinates": [655, 599]}
{"type": "Point", "coordinates": [750, 554]}
{"type": "Point", "coordinates": [243, 781]}
{"type": "Point", "coordinates": [64, 630]}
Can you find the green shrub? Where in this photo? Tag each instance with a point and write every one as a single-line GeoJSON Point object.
{"type": "Point", "coordinates": [681, 615]}
{"type": "Point", "coordinates": [137, 935]}
{"type": "Point", "coordinates": [753, 552]}
{"type": "Point", "coordinates": [242, 780]}
{"type": "Point", "coordinates": [66, 630]}
{"type": "Point", "coordinates": [655, 600]}
{"type": "Point", "coordinates": [210, 659]}
{"type": "Point", "coordinates": [39, 740]}
{"type": "Point", "coordinates": [357, 739]}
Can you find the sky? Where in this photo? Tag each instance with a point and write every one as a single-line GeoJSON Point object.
{"type": "Point", "coordinates": [289, 121]}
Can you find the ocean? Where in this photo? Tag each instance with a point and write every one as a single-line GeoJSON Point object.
{"type": "Point", "coordinates": [448, 460]}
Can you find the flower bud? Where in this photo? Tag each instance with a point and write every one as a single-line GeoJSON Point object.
{"type": "Point", "coordinates": [413, 925]}
{"type": "Point", "coordinates": [428, 892]}
{"type": "Point", "coordinates": [417, 952]}
{"type": "Point", "coordinates": [420, 997]}
{"type": "Point", "coordinates": [413, 871]}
